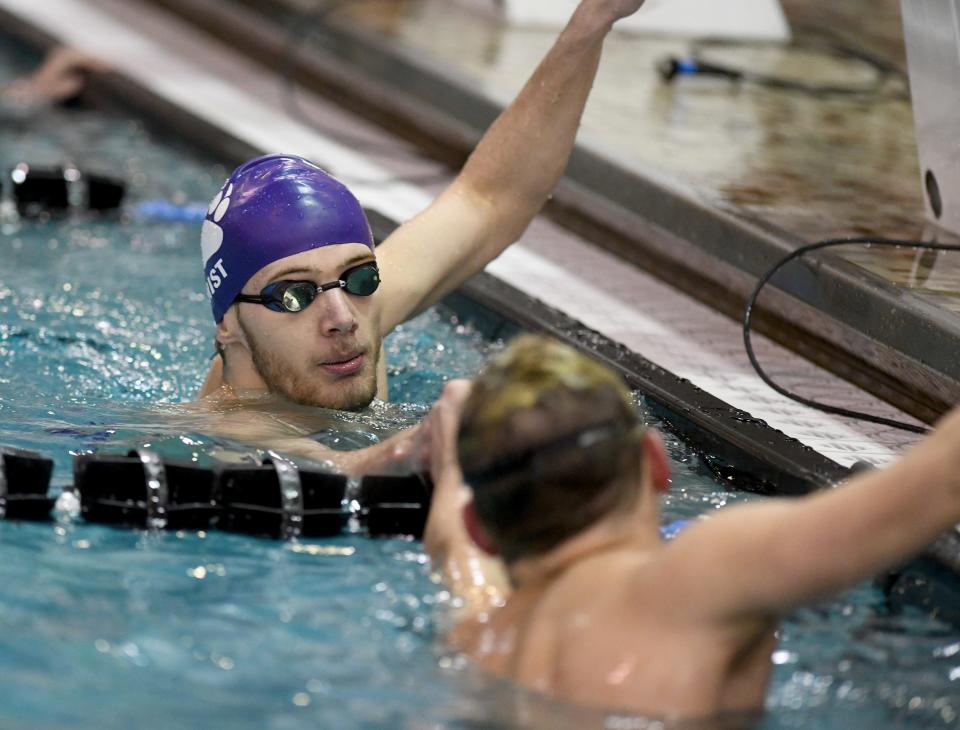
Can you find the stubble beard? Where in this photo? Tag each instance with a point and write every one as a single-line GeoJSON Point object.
{"type": "Point", "coordinates": [352, 393]}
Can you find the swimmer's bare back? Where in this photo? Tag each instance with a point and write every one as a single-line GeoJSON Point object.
{"type": "Point", "coordinates": [590, 639]}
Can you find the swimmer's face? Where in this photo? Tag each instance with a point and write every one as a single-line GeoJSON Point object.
{"type": "Point", "coordinates": [325, 355]}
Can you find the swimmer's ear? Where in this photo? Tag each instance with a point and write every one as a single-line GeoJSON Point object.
{"type": "Point", "coordinates": [478, 533]}
{"type": "Point", "coordinates": [229, 331]}
{"type": "Point", "coordinates": [656, 461]}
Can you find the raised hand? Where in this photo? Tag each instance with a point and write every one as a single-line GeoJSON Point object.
{"type": "Point", "coordinates": [617, 8]}
{"type": "Point", "coordinates": [445, 525]}
{"type": "Point", "coordinates": [63, 73]}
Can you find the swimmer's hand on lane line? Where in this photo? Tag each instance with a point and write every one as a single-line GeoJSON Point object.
{"type": "Point", "coordinates": [391, 456]}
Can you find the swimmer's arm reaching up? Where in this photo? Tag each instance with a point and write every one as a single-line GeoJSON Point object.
{"type": "Point", "coordinates": [477, 580]}
{"type": "Point", "coordinates": [763, 560]}
{"type": "Point", "coordinates": [507, 178]}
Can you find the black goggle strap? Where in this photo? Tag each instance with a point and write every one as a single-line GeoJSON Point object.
{"type": "Point", "coordinates": [530, 459]}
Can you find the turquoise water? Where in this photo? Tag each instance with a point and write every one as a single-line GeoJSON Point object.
{"type": "Point", "coordinates": [104, 330]}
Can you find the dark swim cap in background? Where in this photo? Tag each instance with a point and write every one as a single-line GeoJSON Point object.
{"type": "Point", "coordinates": [270, 208]}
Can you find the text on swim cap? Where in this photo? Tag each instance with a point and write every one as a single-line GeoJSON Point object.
{"type": "Point", "coordinates": [216, 276]}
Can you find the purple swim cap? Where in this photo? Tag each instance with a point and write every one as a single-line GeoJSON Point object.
{"type": "Point", "coordinates": [270, 208]}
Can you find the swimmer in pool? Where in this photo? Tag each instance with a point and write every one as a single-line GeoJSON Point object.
{"type": "Point", "coordinates": [588, 603]}
{"type": "Point", "coordinates": [301, 299]}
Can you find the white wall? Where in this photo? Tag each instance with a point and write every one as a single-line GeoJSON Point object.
{"type": "Point", "coordinates": [746, 19]}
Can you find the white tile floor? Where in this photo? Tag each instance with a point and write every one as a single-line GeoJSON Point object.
{"type": "Point", "coordinates": [562, 270]}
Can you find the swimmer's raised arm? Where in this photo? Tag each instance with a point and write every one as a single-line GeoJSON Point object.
{"type": "Point", "coordinates": [768, 558]}
{"type": "Point", "coordinates": [508, 177]}
{"type": "Point", "coordinates": [476, 579]}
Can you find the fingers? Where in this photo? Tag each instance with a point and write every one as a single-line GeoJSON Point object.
{"type": "Point", "coordinates": [623, 8]}
{"type": "Point", "coordinates": [456, 392]}
{"type": "Point", "coordinates": [442, 425]}
{"type": "Point", "coordinates": [71, 59]}
{"type": "Point", "coordinates": [63, 73]}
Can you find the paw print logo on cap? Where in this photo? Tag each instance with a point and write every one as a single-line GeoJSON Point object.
{"type": "Point", "coordinates": [211, 234]}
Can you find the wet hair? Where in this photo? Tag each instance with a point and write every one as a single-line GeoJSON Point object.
{"type": "Point", "coordinates": [549, 444]}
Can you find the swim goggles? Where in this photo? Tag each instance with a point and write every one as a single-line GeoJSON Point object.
{"type": "Point", "coordinates": [295, 296]}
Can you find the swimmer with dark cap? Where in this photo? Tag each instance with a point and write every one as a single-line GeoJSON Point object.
{"type": "Point", "coordinates": [301, 299]}
{"type": "Point", "coordinates": [543, 463]}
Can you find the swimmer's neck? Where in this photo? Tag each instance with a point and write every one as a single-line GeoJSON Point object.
{"type": "Point", "coordinates": [231, 397]}
{"type": "Point", "coordinates": [230, 392]}
{"type": "Point", "coordinates": [239, 375]}
{"type": "Point", "coordinates": [266, 401]}
{"type": "Point", "coordinates": [636, 530]}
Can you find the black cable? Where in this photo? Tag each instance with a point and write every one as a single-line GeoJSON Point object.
{"type": "Point", "coordinates": [299, 35]}
{"type": "Point", "coordinates": [696, 64]}
{"type": "Point", "coordinates": [748, 313]}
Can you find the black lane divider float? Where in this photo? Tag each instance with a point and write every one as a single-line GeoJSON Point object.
{"type": "Point", "coordinates": [275, 499]}
{"type": "Point", "coordinates": [24, 480]}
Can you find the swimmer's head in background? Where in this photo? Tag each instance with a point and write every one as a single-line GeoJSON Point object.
{"type": "Point", "coordinates": [273, 207]}
{"type": "Point", "coordinates": [549, 443]}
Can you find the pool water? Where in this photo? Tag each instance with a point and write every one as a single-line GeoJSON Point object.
{"type": "Point", "coordinates": [104, 330]}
